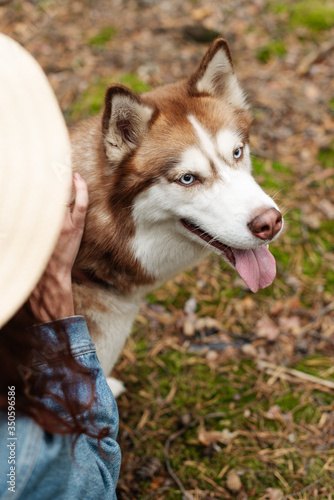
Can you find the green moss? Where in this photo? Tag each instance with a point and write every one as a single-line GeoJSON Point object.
{"type": "Point", "coordinates": [141, 346]}
{"type": "Point", "coordinates": [326, 157]}
{"type": "Point", "coordinates": [329, 277]}
{"type": "Point", "coordinates": [134, 83]}
{"type": "Point", "coordinates": [275, 48]}
{"type": "Point", "coordinates": [151, 298]}
{"type": "Point", "coordinates": [273, 176]}
{"type": "Point", "coordinates": [91, 101]}
{"type": "Point", "coordinates": [331, 105]}
{"type": "Point", "coordinates": [281, 168]}
{"type": "Point", "coordinates": [17, 6]}
{"type": "Point", "coordinates": [306, 415]}
{"type": "Point", "coordinates": [316, 15]}
{"type": "Point", "coordinates": [43, 5]}
{"type": "Point", "coordinates": [103, 37]}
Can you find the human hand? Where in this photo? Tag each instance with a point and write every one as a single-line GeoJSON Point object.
{"type": "Point", "coordinates": [52, 297]}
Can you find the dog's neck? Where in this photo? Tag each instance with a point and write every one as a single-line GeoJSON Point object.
{"type": "Point", "coordinates": [151, 257]}
{"type": "Point", "coordinates": [88, 276]}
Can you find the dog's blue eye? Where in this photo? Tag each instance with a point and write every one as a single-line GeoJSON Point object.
{"type": "Point", "coordinates": [237, 153]}
{"type": "Point", "coordinates": [187, 179]}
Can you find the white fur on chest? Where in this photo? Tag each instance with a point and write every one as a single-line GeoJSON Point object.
{"type": "Point", "coordinates": [114, 320]}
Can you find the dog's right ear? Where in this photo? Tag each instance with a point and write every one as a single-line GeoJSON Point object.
{"type": "Point", "coordinates": [126, 119]}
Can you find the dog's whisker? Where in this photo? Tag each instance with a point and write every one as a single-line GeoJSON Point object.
{"type": "Point", "coordinates": [276, 193]}
{"type": "Point", "coordinates": [286, 209]}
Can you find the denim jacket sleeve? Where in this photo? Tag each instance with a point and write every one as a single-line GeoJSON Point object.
{"type": "Point", "coordinates": [36, 465]}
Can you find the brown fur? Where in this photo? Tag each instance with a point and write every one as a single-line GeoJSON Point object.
{"type": "Point", "coordinates": [219, 82]}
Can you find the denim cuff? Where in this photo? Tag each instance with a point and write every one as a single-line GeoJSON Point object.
{"type": "Point", "coordinates": [57, 336]}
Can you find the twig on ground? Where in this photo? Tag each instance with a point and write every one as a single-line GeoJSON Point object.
{"type": "Point", "coordinates": [155, 492]}
{"type": "Point", "coordinates": [315, 56]}
{"type": "Point", "coordinates": [281, 370]}
{"type": "Point", "coordinates": [300, 492]}
{"type": "Point", "coordinates": [317, 321]}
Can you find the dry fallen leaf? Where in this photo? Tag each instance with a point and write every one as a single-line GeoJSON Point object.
{"type": "Point", "coordinates": [289, 323]}
{"type": "Point", "coordinates": [201, 13]}
{"type": "Point", "coordinates": [327, 208]}
{"type": "Point", "coordinates": [207, 323]}
{"type": "Point", "coordinates": [274, 494]}
{"type": "Point", "coordinates": [190, 319]}
{"type": "Point", "coordinates": [211, 355]}
{"type": "Point", "coordinates": [207, 437]}
{"type": "Point", "coordinates": [233, 482]}
{"type": "Point", "coordinates": [274, 413]}
{"type": "Point", "coordinates": [249, 350]}
{"type": "Point", "coordinates": [188, 327]}
{"type": "Point", "coordinates": [266, 328]}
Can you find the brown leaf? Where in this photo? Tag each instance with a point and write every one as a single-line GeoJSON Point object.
{"type": "Point", "coordinates": [208, 324]}
{"type": "Point", "coordinates": [289, 323]}
{"type": "Point", "coordinates": [201, 13]}
{"type": "Point", "coordinates": [249, 350]}
{"type": "Point", "coordinates": [274, 413]}
{"type": "Point", "coordinates": [327, 208]}
{"type": "Point", "coordinates": [207, 437]}
{"type": "Point", "coordinates": [233, 482]}
{"type": "Point", "coordinates": [190, 319]}
{"type": "Point", "coordinates": [188, 327]}
{"type": "Point", "coordinates": [266, 328]}
{"type": "Point", "coordinates": [274, 494]}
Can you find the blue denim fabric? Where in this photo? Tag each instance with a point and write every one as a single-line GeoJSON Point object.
{"type": "Point", "coordinates": [44, 466]}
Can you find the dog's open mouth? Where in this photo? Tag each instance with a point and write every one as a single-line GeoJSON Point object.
{"type": "Point", "coordinates": [256, 266]}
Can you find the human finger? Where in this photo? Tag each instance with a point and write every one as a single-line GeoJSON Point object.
{"type": "Point", "coordinates": [80, 203]}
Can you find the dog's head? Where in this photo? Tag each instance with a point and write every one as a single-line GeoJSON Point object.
{"type": "Point", "coordinates": [179, 158]}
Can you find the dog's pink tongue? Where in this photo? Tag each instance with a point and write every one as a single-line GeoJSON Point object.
{"type": "Point", "coordinates": [256, 267]}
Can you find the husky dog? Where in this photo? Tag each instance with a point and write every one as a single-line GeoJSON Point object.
{"type": "Point", "coordinates": [169, 180]}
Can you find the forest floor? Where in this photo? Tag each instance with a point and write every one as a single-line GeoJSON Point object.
{"type": "Point", "coordinates": [229, 394]}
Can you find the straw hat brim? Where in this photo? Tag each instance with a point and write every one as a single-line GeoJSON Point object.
{"type": "Point", "coordinates": [35, 174]}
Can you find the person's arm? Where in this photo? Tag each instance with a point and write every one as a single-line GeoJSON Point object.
{"type": "Point", "coordinates": [47, 463]}
{"type": "Point", "coordinates": [52, 298]}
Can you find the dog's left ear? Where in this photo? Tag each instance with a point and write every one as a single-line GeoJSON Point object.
{"type": "Point", "coordinates": [126, 119]}
{"type": "Point", "coordinates": [215, 75]}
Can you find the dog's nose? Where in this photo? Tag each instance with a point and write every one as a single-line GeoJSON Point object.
{"type": "Point", "coordinates": [267, 224]}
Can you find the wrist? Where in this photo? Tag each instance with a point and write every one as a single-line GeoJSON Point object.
{"type": "Point", "coordinates": [52, 298]}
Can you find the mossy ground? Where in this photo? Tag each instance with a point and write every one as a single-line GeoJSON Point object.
{"type": "Point", "coordinates": [283, 451]}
